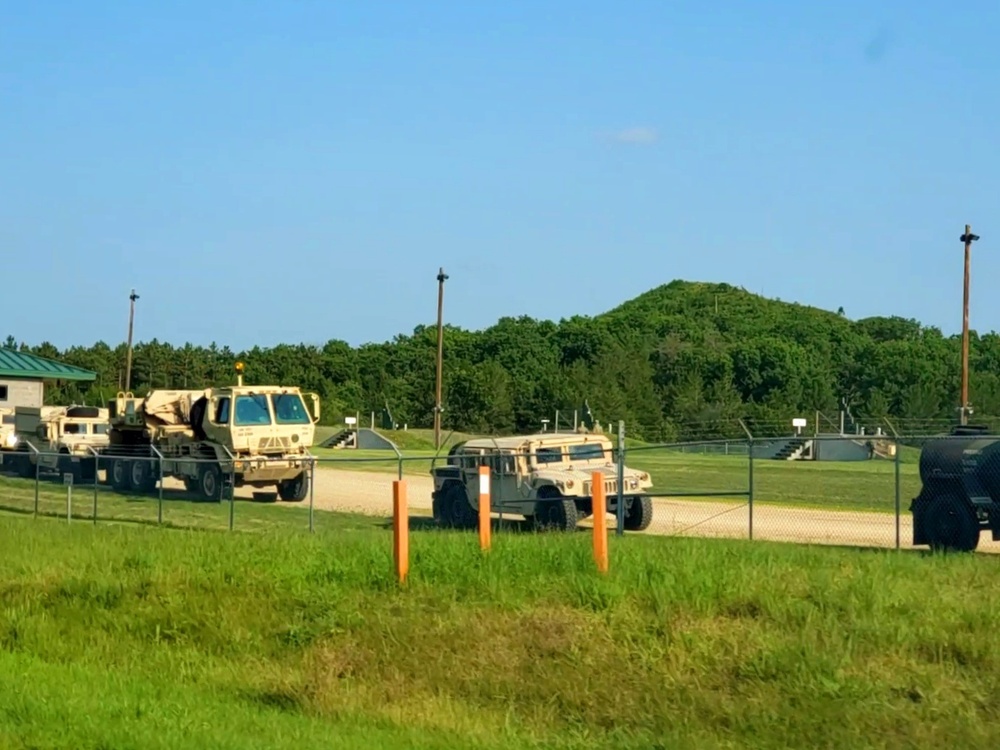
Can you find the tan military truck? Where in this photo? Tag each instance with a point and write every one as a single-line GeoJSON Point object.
{"type": "Point", "coordinates": [214, 439]}
{"type": "Point", "coordinates": [545, 477]}
{"type": "Point", "coordinates": [57, 439]}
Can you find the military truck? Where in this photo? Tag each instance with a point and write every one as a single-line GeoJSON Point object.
{"type": "Point", "coordinates": [57, 439]}
{"type": "Point", "coordinates": [544, 477]}
{"type": "Point", "coordinates": [214, 440]}
{"type": "Point", "coordinates": [960, 493]}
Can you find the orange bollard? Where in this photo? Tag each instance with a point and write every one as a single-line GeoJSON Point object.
{"type": "Point", "coordinates": [600, 521]}
{"type": "Point", "coordinates": [484, 507]}
{"type": "Point", "coordinates": [400, 530]}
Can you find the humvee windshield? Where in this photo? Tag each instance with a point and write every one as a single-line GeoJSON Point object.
{"type": "Point", "coordinates": [586, 452]}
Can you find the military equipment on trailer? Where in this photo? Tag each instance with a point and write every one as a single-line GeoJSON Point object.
{"type": "Point", "coordinates": [544, 477]}
{"type": "Point", "coordinates": [57, 439]}
{"type": "Point", "coordinates": [960, 493]}
{"type": "Point", "coordinates": [214, 440]}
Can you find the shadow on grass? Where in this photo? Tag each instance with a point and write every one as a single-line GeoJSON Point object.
{"type": "Point", "coordinates": [497, 525]}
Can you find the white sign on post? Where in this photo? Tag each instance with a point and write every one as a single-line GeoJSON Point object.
{"type": "Point", "coordinates": [67, 478]}
{"type": "Point", "coordinates": [350, 420]}
{"type": "Point", "coordinates": [798, 423]}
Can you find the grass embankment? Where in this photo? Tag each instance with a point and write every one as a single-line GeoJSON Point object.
{"type": "Point", "coordinates": [139, 637]}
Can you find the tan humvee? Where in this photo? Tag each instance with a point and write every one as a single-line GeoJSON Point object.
{"type": "Point", "coordinates": [544, 477]}
{"type": "Point", "coordinates": [63, 439]}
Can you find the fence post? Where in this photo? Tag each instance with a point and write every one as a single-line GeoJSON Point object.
{"type": "Point", "coordinates": [620, 509]}
{"type": "Point", "coordinates": [896, 468]}
{"type": "Point", "coordinates": [600, 509]}
{"type": "Point", "coordinates": [484, 508]}
{"type": "Point", "coordinates": [97, 474]}
{"type": "Point", "coordinates": [38, 470]}
{"type": "Point", "coordinates": [750, 488]}
{"type": "Point", "coordinates": [400, 530]}
{"type": "Point", "coordinates": [159, 502]}
{"type": "Point", "coordinates": [312, 489]}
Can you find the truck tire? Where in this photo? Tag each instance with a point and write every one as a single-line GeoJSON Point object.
{"type": "Point", "coordinates": [118, 474]}
{"type": "Point", "coordinates": [141, 477]}
{"type": "Point", "coordinates": [639, 514]}
{"type": "Point", "coordinates": [951, 525]}
{"type": "Point", "coordinates": [294, 490]}
{"type": "Point", "coordinates": [452, 509]}
{"type": "Point", "coordinates": [25, 469]}
{"type": "Point", "coordinates": [553, 512]}
{"type": "Point", "coordinates": [210, 482]}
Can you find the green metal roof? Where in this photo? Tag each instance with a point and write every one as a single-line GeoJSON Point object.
{"type": "Point", "coordinates": [22, 365]}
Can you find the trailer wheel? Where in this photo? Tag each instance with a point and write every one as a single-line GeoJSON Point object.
{"type": "Point", "coordinates": [210, 482]}
{"type": "Point", "coordinates": [639, 514]}
{"type": "Point", "coordinates": [294, 490]}
{"type": "Point", "coordinates": [951, 525]}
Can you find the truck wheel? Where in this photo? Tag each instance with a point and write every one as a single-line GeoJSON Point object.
{"type": "Point", "coordinates": [141, 477]}
{"type": "Point", "coordinates": [118, 476]}
{"type": "Point", "coordinates": [951, 525]}
{"type": "Point", "coordinates": [639, 514]}
{"type": "Point", "coordinates": [294, 490]}
{"type": "Point", "coordinates": [25, 469]}
{"type": "Point", "coordinates": [441, 506]}
{"type": "Point", "coordinates": [463, 515]}
{"type": "Point", "coordinates": [210, 482]}
{"type": "Point", "coordinates": [555, 513]}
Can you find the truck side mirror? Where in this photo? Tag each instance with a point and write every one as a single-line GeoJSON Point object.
{"type": "Point", "coordinates": [315, 400]}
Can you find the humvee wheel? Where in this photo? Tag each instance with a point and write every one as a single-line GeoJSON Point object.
{"type": "Point", "coordinates": [210, 482]}
{"type": "Point", "coordinates": [452, 509]}
{"type": "Point", "coordinates": [951, 525]}
{"type": "Point", "coordinates": [553, 512]}
{"type": "Point", "coordinates": [639, 514]}
{"type": "Point", "coordinates": [294, 490]}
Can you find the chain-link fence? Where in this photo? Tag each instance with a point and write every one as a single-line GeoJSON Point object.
{"type": "Point", "coordinates": [874, 491]}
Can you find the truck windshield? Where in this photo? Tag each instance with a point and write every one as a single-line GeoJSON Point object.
{"type": "Point", "coordinates": [252, 410]}
{"type": "Point", "coordinates": [289, 409]}
{"type": "Point", "coordinates": [586, 452]}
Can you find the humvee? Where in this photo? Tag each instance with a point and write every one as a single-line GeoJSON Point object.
{"type": "Point", "coordinates": [58, 439]}
{"type": "Point", "coordinates": [544, 477]}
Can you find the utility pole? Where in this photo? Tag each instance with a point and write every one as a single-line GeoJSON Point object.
{"type": "Point", "coordinates": [968, 238]}
{"type": "Point", "coordinates": [441, 277]}
{"type": "Point", "coordinates": [128, 356]}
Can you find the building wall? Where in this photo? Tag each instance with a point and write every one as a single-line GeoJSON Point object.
{"type": "Point", "coordinates": [20, 392]}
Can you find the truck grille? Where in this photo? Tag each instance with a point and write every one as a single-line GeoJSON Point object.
{"type": "Point", "coordinates": [273, 445]}
{"type": "Point", "coordinates": [610, 487]}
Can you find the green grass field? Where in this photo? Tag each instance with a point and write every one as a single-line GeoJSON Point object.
{"type": "Point", "coordinates": [127, 636]}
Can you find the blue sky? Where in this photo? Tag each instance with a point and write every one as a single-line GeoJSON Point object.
{"type": "Point", "coordinates": [267, 172]}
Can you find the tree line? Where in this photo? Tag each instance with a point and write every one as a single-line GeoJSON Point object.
{"type": "Point", "coordinates": [682, 361]}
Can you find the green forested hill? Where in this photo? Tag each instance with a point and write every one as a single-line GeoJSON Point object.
{"type": "Point", "coordinates": [684, 360]}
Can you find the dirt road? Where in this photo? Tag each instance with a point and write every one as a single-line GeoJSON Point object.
{"type": "Point", "coordinates": [371, 493]}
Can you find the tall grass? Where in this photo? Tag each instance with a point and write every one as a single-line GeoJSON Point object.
{"type": "Point", "coordinates": [144, 637]}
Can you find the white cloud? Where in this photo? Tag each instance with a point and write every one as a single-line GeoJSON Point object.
{"type": "Point", "coordinates": [639, 135]}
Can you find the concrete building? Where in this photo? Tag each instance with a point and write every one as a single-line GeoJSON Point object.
{"type": "Point", "coordinates": [23, 377]}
